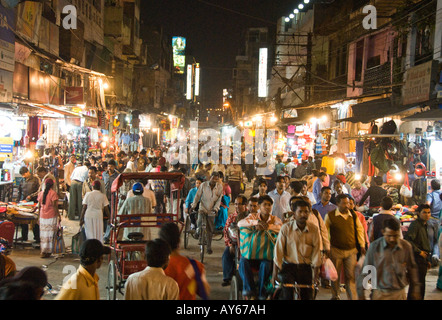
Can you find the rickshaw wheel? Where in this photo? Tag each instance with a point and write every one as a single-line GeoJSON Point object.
{"type": "Point", "coordinates": [111, 281]}
{"type": "Point", "coordinates": [235, 288]}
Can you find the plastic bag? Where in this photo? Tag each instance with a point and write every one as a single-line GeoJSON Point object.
{"type": "Point", "coordinates": [406, 190]}
{"type": "Point", "coordinates": [328, 270]}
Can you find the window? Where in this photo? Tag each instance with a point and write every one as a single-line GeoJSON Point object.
{"type": "Point", "coordinates": [359, 59]}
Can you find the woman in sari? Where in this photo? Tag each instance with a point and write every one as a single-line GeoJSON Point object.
{"type": "Point", "coordinates": [49, 218]}
{"type": "Point", "coordinates": [221, 218]}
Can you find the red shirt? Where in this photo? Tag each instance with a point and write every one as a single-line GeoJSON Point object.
{"type": "Point", "coordinates": [47, 210]}
{"type": "Point", "coordinates": [181, 270]}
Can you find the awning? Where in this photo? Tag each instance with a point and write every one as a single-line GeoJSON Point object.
{"type": "Point", "coordinates": [430, 115]}
{"type": "Point", "coordinates": [366, 112]}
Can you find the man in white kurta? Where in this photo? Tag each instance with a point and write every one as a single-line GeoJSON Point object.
{"type": "Point", "coordinates": [138, 204]}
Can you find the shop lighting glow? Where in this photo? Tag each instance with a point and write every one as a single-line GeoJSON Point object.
{"type": "Point", "coordinates": [398, 176]}
{"type": "Point", "coordinates": [105, 86]}
{"type": "Point", "coordinates": [357, 177]}
{"type": "Point", "coordinates": [29, 155]}
{"type": "Point", "coordinates": [436, 150]}
{"type": "Point", "coordinates": [340, 162]}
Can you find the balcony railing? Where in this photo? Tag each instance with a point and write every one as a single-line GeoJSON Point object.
{"type": "Point", "coordinates": [377, 79]}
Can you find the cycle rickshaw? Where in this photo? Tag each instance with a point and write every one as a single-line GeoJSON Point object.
{"type": "Point", "coordinates": [127, 256]}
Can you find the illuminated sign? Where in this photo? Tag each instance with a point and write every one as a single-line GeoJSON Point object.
{"type": "Point", "coordinates": [189, 82]}
{"type": "Point", "coordinates": [262, 73]}
{"type": "Point", "coordinates": [197, 79]}
{"type": "Point", "coordinates": [179, 54]}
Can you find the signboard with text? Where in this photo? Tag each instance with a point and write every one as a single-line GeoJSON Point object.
{"type": "Point", "coordinates": [419, 82]}
{"type": "Point", "coordinates": [179, 54]}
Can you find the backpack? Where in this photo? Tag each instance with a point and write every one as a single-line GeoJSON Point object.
{"type": "Point", "coordinates": [389, 127]}
{"type": "Point", "coordinates": [419, 187]}
{"type": "Point", "coordinates": [377, 156]}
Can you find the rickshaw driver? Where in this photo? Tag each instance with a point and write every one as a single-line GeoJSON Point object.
{"type": "Point", "coordinates": [209, 195]}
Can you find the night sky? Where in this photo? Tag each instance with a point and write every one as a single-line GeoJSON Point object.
{"type": "Point", "coordinates": [213, 29]}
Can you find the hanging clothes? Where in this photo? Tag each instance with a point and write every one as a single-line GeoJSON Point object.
{"type": "Point", "coordinates": [329, 163]}
{"type": "Point", "coordinates": [33, 129]}
{"type": "Point", "coordinates": [53, 132]}
{"type": "Point", "coordinates": [359, 155]}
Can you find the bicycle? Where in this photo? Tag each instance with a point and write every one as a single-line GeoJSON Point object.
{"type": "Point", "coordinates": [291, 291]}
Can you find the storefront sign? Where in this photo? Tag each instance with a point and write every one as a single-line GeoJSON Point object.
{"type": "Point", "coordinates": [7, 39]}
{"type": "Point", "coordinates": [262, 73]}
{"type": "Point", "coordinates": [6, 145]}
{"type": "Point", "coordinates": [6, 78]}
{"type": "Point", "coordinates": [419, 82]}
{"type": "Point", "coordinates": [28, 22]}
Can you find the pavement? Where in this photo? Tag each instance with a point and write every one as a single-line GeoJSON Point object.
{"type": "Point", "coordinates": [59, 268]}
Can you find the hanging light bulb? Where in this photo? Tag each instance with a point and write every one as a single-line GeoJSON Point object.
{"type": "Point", "coordinates": [306, 1]}
{"type": "Point", "coordinates": [301, 6]}
{"type": "Point", "coordinates": [287, 19]}
{"type": "Point", "coordinates": [291, 16]}
{"type": "Point", "coordinates": [296, 11]}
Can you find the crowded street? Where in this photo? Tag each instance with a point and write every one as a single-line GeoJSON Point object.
{"type": "Point", "coordinates": [286, 150]}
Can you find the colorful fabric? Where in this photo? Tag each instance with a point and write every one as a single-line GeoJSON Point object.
{"type": "Point", "coordinates": [223, 212]}
{"type": "Point", "coordinates": [257, 244]}
{"type": "Point", "coordinates": [48, 228]}
{"type": "Point", "coordinates": [180, 269]}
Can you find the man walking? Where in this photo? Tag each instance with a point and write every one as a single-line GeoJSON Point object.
{"type": "Point", "coordinates": [318, 185]}
{"type": "Point", "coordinates": [281, 199]}
{"type": "Point", "coordinates": [209, 195]}
{"type": "Point", "coordinates": [346, 232]}
{"type": "Point", "coordinates": [297, 250]}
{"type": "Point", "coordinates": [78, 176]}
{"type": "Point", "coordinates": [68, 169]}
{"type": "Point", "coordinates": [417, 236]}
{"type": "Point", "coordinates": [324, 206]}
{"type": "Point", "coordinates": [393, 260]}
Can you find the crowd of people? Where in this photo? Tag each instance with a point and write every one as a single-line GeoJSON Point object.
{"type": "Point", "coordinates": [301, 215]}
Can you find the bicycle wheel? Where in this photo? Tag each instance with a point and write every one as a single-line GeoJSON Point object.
{"type": "Point", "coordinates": [186, 232]}
{"type": "Point", "coordinates": [203, 237]}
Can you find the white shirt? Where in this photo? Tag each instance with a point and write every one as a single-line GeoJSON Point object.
{"type": "Point", "coordinates": [281, 203]}
{"type": "Point", "coordinates": [290, 166]}
{"type": "Point", "coordinates": [210, 198]}
{"type": "Point", "coordinates": [151, 284]}
{"type": "Point", "coordinates": [147, 193]}
{"type": "Point", "coordinates": [298, 246]}
{"type": "Point", "coordinates": [95, 201]}
{"type": "Point", "coordinates": [80, 173]}
{"type": "Point", "coordinates": [130, 165]}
